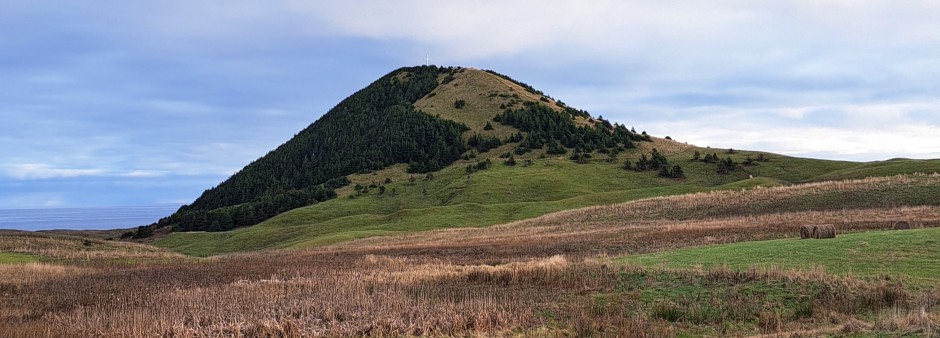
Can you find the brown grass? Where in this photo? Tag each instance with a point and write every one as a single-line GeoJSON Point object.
{"type": "Point", "coordinates": [563, 234]}
{"type": "Point", "coordinates": [759, 200]}
{"type": "Point", "coordinates": [300, 294]}
{"type": "Point", "coordinates": [483, 93]}
{"type": "Point", "coordinates": [79, 250]}
{"type": "Point", "coordinates": [541, 277]}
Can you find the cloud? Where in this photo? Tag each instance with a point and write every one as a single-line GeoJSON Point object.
{"type": "Point", "coordinates": [857, 133]}
{"type": "Point", "coordinates": [156, 90]}
{"type": "Point", "coordinates": [44, 171]}
{"type": "Point", "coordinates": [34, 171]}
{"type": "Point", "coordinates": [144, 173]}
{"type": "Point", "coordinates": [470, 29]}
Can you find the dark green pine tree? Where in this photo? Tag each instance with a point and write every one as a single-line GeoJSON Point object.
{"type": "Point", "coordinates": [664, 172]}
{"type": "Point", "coordinates": [677, 172]}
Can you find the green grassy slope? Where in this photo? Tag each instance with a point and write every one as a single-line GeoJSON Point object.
{"type": "Point", "coordinates": [908, 254]}
{"type": "Point", "coordinates": [498, 195]}
{"type": "Point", "coordinates": [15, 258]}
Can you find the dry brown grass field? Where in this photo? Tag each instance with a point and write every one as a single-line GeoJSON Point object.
{"type": "Point", "coordinates": [552, 276]}
{"type": "Point", "coordinates": [69, 249]}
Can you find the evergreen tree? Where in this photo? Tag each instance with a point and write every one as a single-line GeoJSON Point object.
{"type": "Point", "coordinates": [664, 172]}
{"type": "Point", "coordinates": [726, 165]}
{"type": "Point", "coordinates": [643, 163]}
{"type": "Point", "coordinates": [545, 126]}
{"type": "Point", "coordinates": [677, 172]}
{"type": "Point", "coordinates": [658, 161]}
{"type": "Point", "coordinates": [748, 161]}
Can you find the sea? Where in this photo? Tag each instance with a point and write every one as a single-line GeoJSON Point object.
{"type": "Point", "coordinates": [95, 218]}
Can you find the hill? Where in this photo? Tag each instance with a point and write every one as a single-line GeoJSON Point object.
{"type": "Point", "coordinates": [521, 154]}
{"type": "Point", "coordinates": [396, 120]}
{"type": "Point", "coordinates": [719, 216]}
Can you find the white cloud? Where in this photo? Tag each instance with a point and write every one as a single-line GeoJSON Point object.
{"type": "Point", "coordinates": [470, 29]}
{"type": "Point", "coordinates": [43, 171]}
{"type": "Point", "coordinates": [870, 136]}
{"type": "Point", "coordinates": [796, 113]}
{"type": "Point", "coordinates": [36, 171]}
{"type": "Point", "coordinates": [143, 173]}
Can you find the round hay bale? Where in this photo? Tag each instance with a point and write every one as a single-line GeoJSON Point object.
{"type": "Point", "coordinates": [901, 225]}
{"type": "Point", "coordinates": [806, 231]}
{"type": "Point", "coordinates": [824, 231]}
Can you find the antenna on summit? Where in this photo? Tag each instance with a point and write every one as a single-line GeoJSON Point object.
{"type": "Point", "coordinates": [427, 60]}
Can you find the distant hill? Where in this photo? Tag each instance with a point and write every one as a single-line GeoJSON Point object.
{"type": "Point", "coordinates": [428, 147]}
{"type": "Point", "coordinates": [391, 122]}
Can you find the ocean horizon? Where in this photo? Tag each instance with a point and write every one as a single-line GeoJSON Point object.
{"type": "Point", "coordinates": [89, 218]}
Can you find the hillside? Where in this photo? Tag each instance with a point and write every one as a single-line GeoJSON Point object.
{"type": "Point", "coordinates": [523, 154]}
{"type": "Point", "coordinates": [497, 195]}
{"type": "Point", "coordinates": [666, 222]}
{"type": "Point", "coordinates": [396, 120]}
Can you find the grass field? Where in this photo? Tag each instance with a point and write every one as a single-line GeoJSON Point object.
{"type": "Point", "coordinates": [911, 255]}
{"type": "Point", "coordinates": [732, 268]}
{"type": "Point", "coordinates": [28, 247]}
{"type": "Point", "coordinates": [14, 258]}
{"type": "Point", "coordinates": [498, 195]}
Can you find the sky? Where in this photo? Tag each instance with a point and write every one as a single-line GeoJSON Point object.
{"type": "Point", "coordinates": [111, 103]}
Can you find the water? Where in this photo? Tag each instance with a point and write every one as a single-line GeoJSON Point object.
{"type": "Point", "coordinates": [99, 218]}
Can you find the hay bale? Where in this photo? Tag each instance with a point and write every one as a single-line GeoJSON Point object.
{"type": "Point", "coordinates": [901, 225]}
{"type": "Point", "coordinates": [806, 231]}
{"type": "Point", "coordinates": [824, 231]}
